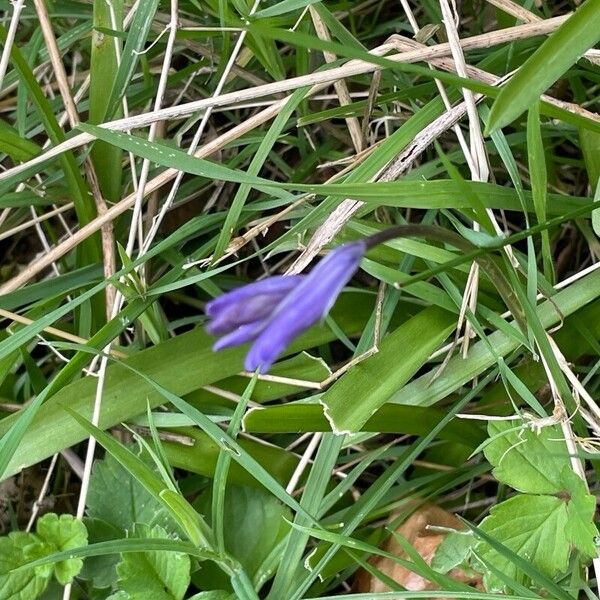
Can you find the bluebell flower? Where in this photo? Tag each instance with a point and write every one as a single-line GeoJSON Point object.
{"type": "Point", "coordinates": [273, 312]}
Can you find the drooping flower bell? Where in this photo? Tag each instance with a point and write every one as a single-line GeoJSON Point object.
{"type": "Point", "coordinates": [273, 312]}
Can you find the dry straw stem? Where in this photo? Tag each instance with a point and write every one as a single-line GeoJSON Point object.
{"type": "Point", "coordinates": [71, 111]}
{"type": "Point", "coordinates": [344, 211]}
{"type": "Point", "coordinates": [35, 221]}
{"type": "Point", "coordinates": [478, 167]}
{"type": "Point", "coordinates": [440, 86]}
{"type": "Point", "coordinates": [353, 67]}
{"type": "Point", "coordinates": [340, 86]}
{"type": "Point", "coordinates": [235, 54]}
{"type": "Point", "coordinates": [18, 6]}
{"type": "Point", "coordinates": [321, 79]}
{"type": "Point", "coordinates": [514, 9]}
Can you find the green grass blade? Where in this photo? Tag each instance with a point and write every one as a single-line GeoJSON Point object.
{"type": "Point", "coordinates": [136, 38]}
{"type": "Point", "coordinates": [104, 66]}
{"type": "Point", "coordinates": [548, 63]}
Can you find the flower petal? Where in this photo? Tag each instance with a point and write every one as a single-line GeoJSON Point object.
{"type": "Point", "coordinates": [252, 309]}
{"type": "Point", "coordinates": [278, 284]}
{"type": "Point", "coordinates": [305, 304]}
{"type": "Point", "coordinates": [246, 333]}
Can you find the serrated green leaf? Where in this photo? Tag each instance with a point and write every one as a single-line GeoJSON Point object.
{"type": "Point", "coordinates": [115, 496]}
{"type": "Point", "coordinates": [581, 507]}
{"type": "Point", "coordinates": [527, 461]}
{"type": "Point", "coordinates": [156, 575]}
{"type": "Point", "coordinates": [62, 533]}
{"type": "Point", "coordinates": [533, 527]}
{"type": "Point", "coordinates": [139, 469]}
{"type": "Point", "coordinates": [15, 551]}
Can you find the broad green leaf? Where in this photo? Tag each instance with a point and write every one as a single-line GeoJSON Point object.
{"type": "Point", "coordinates": [101, 571]}
{"type": "Point", "coordinates": [152, 574]}
{"type": "Point", "coordinates": [300, 417]}
{"type": "Point", "coordinates": [526, 460]}
{"type": "Point", "coordinates": [16, 146]}
{"type": "Point", "coordinates": [62, 533]}
{"type": "Point", "coordinates": [255, 522]}
{"type": "Point", "coordinates": [16, 550]}
{"type": "Point", "coordinates": [117, 497]}
{"type": "Point", "coordinates": [356, 396]}
{"type": "Point", "coordinates": [581, 509]}
{"type": "Point", "coordinates": [453, 551]}
{"type": "Point", "coordinates": [424, 391]}
{"type": "Point", "coordinates": [533, 527]}
{"type": "Point", "coordinates": [175, 364]}
{"type": "Point", "coordinates": [549, 62]}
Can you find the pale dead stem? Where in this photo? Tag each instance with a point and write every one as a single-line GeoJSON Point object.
{"type": "Point", "coordinates": [197, 135]}
{"type": "Point", "coordinates": [18, 6]}
{"type": "Point", "coordinates": [340, 86]}
{"type": "Point", "coordinates": [143, 177]}
{"type": "Point", "coordinates": [126, 203]}
{"type": "Point", "coordinates": [73, 116]}
{"type": "Point", "coordinates": [344, 211]}
{"type": "Point", "coordinates": [118, 300]}
{"type": "Point", "coordinates": [440, 86]}
{"type": "Point", "coordinates": [59, 333]}
{"type": "Point", "coordinates": [478, 166]}
{"type": "Point", "coordinates": [518, 11]}
{"type": "Point", "coordinates": [396, 168]}
{"type": "Point", "coordinates": [353, 67]}
{"type": "Point", "coordinates": [476, 41]}
{"type": "Point", "coordinates": [36, 220]}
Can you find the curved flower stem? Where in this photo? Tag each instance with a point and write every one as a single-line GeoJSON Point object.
{"type": "Point", "coordinates": [449, 237]}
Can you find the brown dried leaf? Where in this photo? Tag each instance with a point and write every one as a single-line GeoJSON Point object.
{"type": "Point", "coordinates": [425, 542]}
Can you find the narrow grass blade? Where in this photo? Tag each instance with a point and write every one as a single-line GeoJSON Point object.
{"type": "Point", "coordinates": [552, 59]}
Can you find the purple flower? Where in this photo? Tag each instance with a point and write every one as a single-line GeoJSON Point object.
{"type": "Point", "coordinates": [273, 312]}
